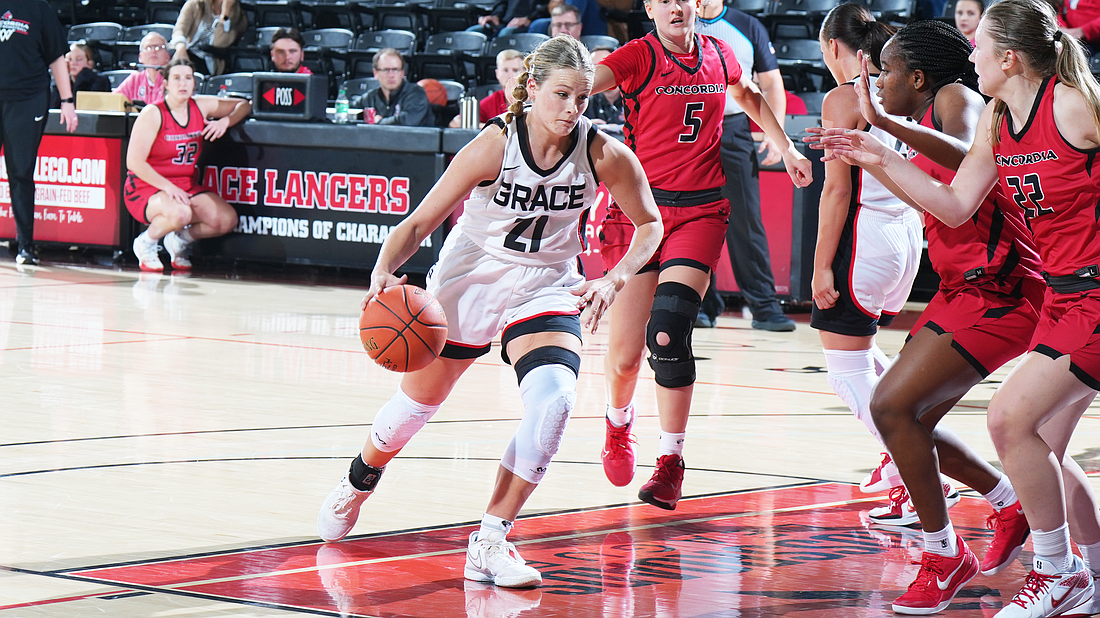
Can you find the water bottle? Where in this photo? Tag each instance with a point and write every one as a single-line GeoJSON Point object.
{"type": "Point", "coordinates": [469, 111]}
{"type": "Point", "coordinates": [342, 107]}
{"type": "Point", "coordinates": [223, 92]}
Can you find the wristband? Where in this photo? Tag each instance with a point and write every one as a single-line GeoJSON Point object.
{"type": "Point", "coordinates": [69, 100]}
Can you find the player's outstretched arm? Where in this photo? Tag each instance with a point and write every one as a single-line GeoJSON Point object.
{"type": "Point", "coordinates": [749, 98]}
{"type": "Point", "coordinates": [622, 174]}
{"type": "Point", "coordinates": [478, 161]}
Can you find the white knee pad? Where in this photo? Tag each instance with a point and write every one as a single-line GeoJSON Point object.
{"type": "Point", "coordinates": [398, 421]}
{"type": "Point", "coordinates": [852, 376]}
{"type": "Point", "coordinates": [549, 395]}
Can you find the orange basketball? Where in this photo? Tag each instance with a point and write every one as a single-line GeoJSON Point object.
{"type": "Point", "coordinates": [403, 328]}
{"type": "Point", "coordinates": [437, 92]}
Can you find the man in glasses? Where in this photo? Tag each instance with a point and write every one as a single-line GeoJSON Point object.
{"type": "Point", "coordinates": [286, 51]}
{"type": "Point", "coordinates": [396, 100]}
{"type": "Point", "coordinates": [147, 84]}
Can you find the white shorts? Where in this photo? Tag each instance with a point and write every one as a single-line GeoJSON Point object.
{"type": "Point", "coordinates": [874, 268]}
{"type": "Point", "coordinates": [482, 294]}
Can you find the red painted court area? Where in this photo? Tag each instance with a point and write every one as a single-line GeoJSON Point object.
{"type": "Point", "coordinates": [800, 551]}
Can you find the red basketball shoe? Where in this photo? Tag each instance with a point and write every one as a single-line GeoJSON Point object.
{"type": "Point", "coordinates": [1010, 530]}
{"type": "Point", "coordinates": [663, 488]}
{"type": "Point", "coordinates": [938, 581]}
{"type": "Point", "coordinates": [618, 456]}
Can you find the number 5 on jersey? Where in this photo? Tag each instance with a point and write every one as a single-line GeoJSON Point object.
{"type": "Point", "coordinates": [692, 123]}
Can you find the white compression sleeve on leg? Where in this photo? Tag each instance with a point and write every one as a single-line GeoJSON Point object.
{"type": "Point", "coordinates": [852, 376]}
{"type": "Point", "coordinates": [398, 421]}
{"type": "Point", "coordinates": [549, 394]}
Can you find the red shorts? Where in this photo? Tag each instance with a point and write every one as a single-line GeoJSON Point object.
{"type": "Point", "coordinates": [693, 236]}
{"type": "Point", "coordinates": [987, 328]}
{"type": "Point", "coordinates": [137, 192]}
{"type": "Point", "coordinates": [1069, 325]}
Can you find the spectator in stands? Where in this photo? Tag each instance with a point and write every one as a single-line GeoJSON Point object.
{"type": "Point", "coordinates": [1079, 19]}
{"type": "Point", "coordinates": [286, 51]}
{"type": "Point", "coordinates": [147, 84]}
{"type": "Point", "coordinates": [564, 19]}
{"type": "Point", "coordinates": [82, 73]}
{"type": "Point", "coordinates": [606, 108]}
{"type": "Point", "coordinates": [967, 15]}
{"type": "Point", "coordinates": [216, 23]}
{"type": "Point", "coordinates": [397, 100]}
{"type": "Point", "coordinates": [509, 66]}
{"type": "Point", "coordinates": [507, 17]}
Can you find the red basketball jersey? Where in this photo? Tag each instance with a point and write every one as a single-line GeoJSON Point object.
{"type": "Point", "coordinates": [994, 242]}
{"type": "Point", "coordinates": [1056, 185]}
{"type": "Point", "coordinates": [673, 108]}
{"type": "Point", "coordinates": [176, 147]}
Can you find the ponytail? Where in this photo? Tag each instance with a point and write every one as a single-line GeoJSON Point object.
{"type": "Point", "coordinates": [853, 25]}
{"type": "Point", "coordinates": [1030, 28]}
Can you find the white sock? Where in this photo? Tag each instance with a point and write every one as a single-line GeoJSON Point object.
{"type": "Point", "coordinates": [1002, 495]}
{"type": "Point", "coordinates": [185, 235]}
{"type": "Point", "coordinates": [1053, 547]}
{"type": "Point", "coordinates": [670, 443]}
{"type": "Point", "coordinates": [1091, 555]}
{"type": "Point", "coordinates": [882, 361]}
{"type": "Point", "coordinates": [146, 239]}
{"type": "Point", "coordinates": [493, 528]}
{"type": "Point", "coordinates": [942, 543]}
{"type": "Point", "coordinates": [852, 376]}
{"type": "Point", "coordinates": [620, 417]}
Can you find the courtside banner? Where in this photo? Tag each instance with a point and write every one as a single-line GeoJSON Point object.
{"type": "Point", "coordinates": [321, 206]}
{"type": "Point", "coordinates": [78, 184]}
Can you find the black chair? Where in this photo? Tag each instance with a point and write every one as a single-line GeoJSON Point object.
{"type": "Point", "coordinates": [246, 59]}
{"type": "Point", "coordinates": [892, 11]}
{"type": "Point", "coordinates": [525, 42]}
{"type": "Point", "coordinates": [449, 66]}
{"type": "Point", "coordinates": [162, 11]}
{"type": "Point", "coordinates": [455, 90]}
{"type": "Point", "coordinates": [755, 8]}
{"type": "Point", "coordinates": [259, 38]}
{"type": "Point", "coordinates": [796, 18]}
{"type": "Point", "coordinates": [100, 36]}
{"type": "Point", "coordinates": [399, 17]}
{"type": "Point", "coordinates": [470, 43]}
{"type": "Point", "coordinates": [357, 88]}
{"type": "Point", "coordinates": [451, 15]}
{"type": "Point", "coordinates": [266, 13]}
{"type": "Point", "coordinates": [458, 50]}
{"type": "Point", "coordinates": [126, 12]}
{"type": "Point", "coordinates": [319, 14]}
{"type": "Point", "coordinates": [600, 41]}
{"type": "Point", "coordinates": [482, 91]}
{"type": "Point", "coordinates": [117, 77]}
{"type": "Point", "coordinates": [801, 64]}
{"type": "Point", "coordinates": [236, 84]}
{"type": "Point", "coordinates": [403, 41]}
{"type": "Point", "coordinates": [329, 47]}
{"type": "Point", "coordinates": [813, 101]}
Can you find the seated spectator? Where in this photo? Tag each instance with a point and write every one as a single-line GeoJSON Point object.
{"type": "Point", "coordinates": [509, 66]}
{"type": "Point", "coordinates": [217, 23]}
{"type": "Point", "coordinates": [967, 15]}
{"type": "Point", "coordinates": [587, 20]}
{"type": "Point", "coordinates": [286, 51]}
{"type": "Point", "coordinates": [508, 17]}
{"type": "Point", "coordinates": [606, 108]}
{"type": "Point", "coordinates": [82, 74]}
{"type": "Point", "coordinates": [162, 189]}
{"type": "Point", "coordinates": [564, 19]}
{"type": "Point", "coordinates": [147, 84]}
{"type": "Point", "coordinates": [396, 100]}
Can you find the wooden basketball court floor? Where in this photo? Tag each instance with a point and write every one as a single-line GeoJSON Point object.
{"type": "Point", "coordinates": [166, 443]}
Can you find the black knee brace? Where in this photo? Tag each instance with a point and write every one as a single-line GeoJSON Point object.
{"type": "Point", "coordinates": [675, 307]}
{"type": "Point", "coordinates": [548, 355]}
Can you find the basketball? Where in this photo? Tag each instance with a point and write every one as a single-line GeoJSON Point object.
{"type": "Point", "coordinates": [437, 92]}
{"type": "Point", "coordinates": [403, 329]}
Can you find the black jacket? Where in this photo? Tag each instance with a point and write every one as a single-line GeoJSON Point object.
{"type": "Point", "coordinates": [408, 106]}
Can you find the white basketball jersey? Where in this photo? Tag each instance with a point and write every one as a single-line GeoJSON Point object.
{"type": "Point", "coordinates": [870, 193]}
{"type": "Point", "coordinates": [529, 215]}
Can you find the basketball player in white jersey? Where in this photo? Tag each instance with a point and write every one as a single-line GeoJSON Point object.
{"type": "Point", "coordinates": [868, 248]}
{"type": "Point", "coordinates": [510, 267]}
